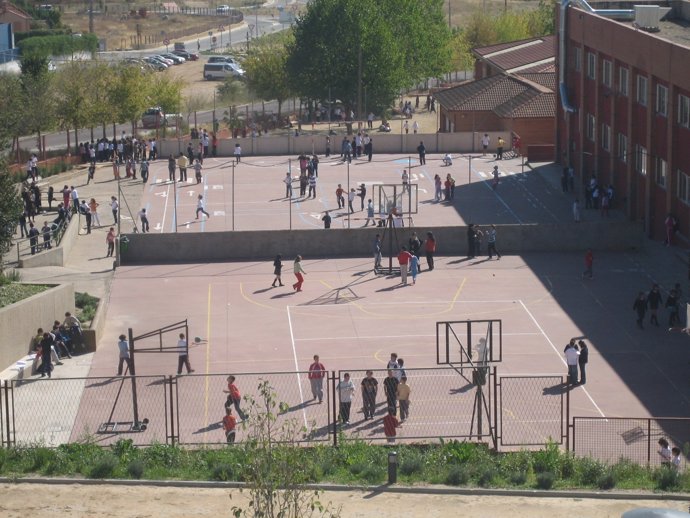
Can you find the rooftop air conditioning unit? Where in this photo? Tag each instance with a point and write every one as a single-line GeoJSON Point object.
{"type": "Point", "coordinates": [647, 16]}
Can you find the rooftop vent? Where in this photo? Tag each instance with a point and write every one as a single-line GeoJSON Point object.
{"type": "Point", "coordinates": [647, 17]}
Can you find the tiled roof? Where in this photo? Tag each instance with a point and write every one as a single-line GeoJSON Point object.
{"type": "Point", "coordinates": [541, 68]}
{"type": "Point", "coordinates": [546, 80]}
{"type": "Point", "coordinates": [518, 54]}
{"type": "Point", "coordinates": [505, 95]}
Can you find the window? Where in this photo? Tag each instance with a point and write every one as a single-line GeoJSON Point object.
{"type": "Point", "coordinates": [622, 148]}
{"type": "Point", "coordinates": [591, 65]}
{"type": "Point", "coordinates": [605, 137]}
{"type": "Point", "coordinates": [684, 111]}
{"type": "Point", "coordinates": [577, 59]}
{"type": "Point", "coordinates": [642, 90]}
{"type": "Point", "coordinates": [606, 73]}
{"type": "Point", "coordinates": [590, 130]}
{"type": "Point", "coordinates": [623, 81]}
{"type": "Point", "coordinates": [640, 159]}
{"type": "Point", "coordinates": [683, 187]}
{"type": "Point", "coordinates": [662, 100]}
{"type": "Point", "coordinates": [661, 170]}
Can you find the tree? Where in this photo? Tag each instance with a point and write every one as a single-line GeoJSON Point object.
{"type": "Point", "coordinates": [356, 49]}
{"type": "Point", "coordinates": [38, 96]}
{"type": "Point", "coordinates": [11, 107]}
{"type": "Point", "coordinates": [275, 473]}
{"type": "Point", "coordinates": [130, 94]}
{"type": "Point", "coordinates": [10, 207]}
{"type": "Point", "coordinates": [266, 73]}
{"type": "Point", "coordinates": [71, 95]}
{"type": "Point", "coordinates": [166, 92]}
{"type": "Point", "coordinates": [100, 82]}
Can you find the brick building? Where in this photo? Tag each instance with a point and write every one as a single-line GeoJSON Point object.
{"type": "Point", "coordinates": [624, 105]}
{"type": "Point", "coordinates": [513, 91]}
{"type": "Point", "coordinates": [18, 18]}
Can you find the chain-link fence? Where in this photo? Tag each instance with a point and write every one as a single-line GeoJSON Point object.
{"type": "Point", "coordinates": [611, 438]}
{"type": "Point", "coordinates": [533, 410]}
{"type": "Point", "coordinates": [443, 402]}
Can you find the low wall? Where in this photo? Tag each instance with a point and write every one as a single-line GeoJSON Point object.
{"type": "Point", "coordinates": [512, 239]}
{"type": "Point", "coordinates": [57, 255]}
{"type": "Point", "coordinates": [384, 143]}
{"type": "Point", "coordinates": [19, 321]}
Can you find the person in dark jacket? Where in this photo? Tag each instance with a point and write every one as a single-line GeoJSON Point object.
{"type": "Point", "coordinates": [653, 303]}
{"type": "Point", "coordinates": [582, 361]}
{"type": "Point", "coordinates": [640, 306]}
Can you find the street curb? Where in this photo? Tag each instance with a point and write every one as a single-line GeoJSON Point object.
{"type": "Point", "coordinates": [599, 495]}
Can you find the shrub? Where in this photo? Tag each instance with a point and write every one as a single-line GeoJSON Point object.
{"type": "Point", "coordinates": [373, 474]}
{"type": "Point", "coordinates": [411, 465]}
{"type": "Point", "coordinates": [546, 460]}
{"type": "Point", "coordinates": [589, 471]}
{"type": "Point", "coordinates": [222, 472]}
{"type": "Point", "coordinates": [457, 476]}
{"type": "Point", "coordinates": [135, 469]}
{"type": "Point", "coordinates": [518, 478]}
{"type": "Point", "coordinates": [545, 480]}
{"type": "Point", "coordinates": [357, 468]}
{"type": "Point", "coordinates": [486, 476]}
{"type": "Point", "coordinates": [606, 480]}
{"type": "Point", "coordinates": [104, 467]}
{"type": "Point", "coordinates": [666, 478]}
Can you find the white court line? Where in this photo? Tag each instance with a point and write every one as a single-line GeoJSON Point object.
{"type": "Point", "coordinates": [394, 336]}
{"type": "Point", "coordinates": [425, 302]}
{"type": "Point", "coordinates": [560, 357]}
{"type": "Point", "coordinates": [165, 208]}
{"type": "Point", "coordinates": [294, 355]}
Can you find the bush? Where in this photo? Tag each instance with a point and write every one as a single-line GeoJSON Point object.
{"type": "Point", "coordinates": [135, 469]}
{"type": "Point", "coordinates": [666, 479]}
{"type": "Point", "coordinates": [411, 465]}
{"type": "Point", "coordinates": [545, 480]}
{"type": "Point", "coordinates": [518, 478]}
{"type": "Point", "coordinates": [222, 472]}
{"type": "Point", "coordinates": [546, 460]}
{"type": "Point", "coordinates": [104, 467]}
{"type": "Point", "coordinates": [486, 475]}
{"type": "Point", "coordinates": [590, 470]}
{"type": "Point", "coordinates": [373, 474]}
{"type": "Point", "coordinates": [457, 476]}
{"type": "Point", "coordinates": [606, 480]}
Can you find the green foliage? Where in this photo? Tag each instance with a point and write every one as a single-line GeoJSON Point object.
{"type": "Point", "coordinates": [667, 478]}
{"type": "Point", "coordinates": [606, 480]}
{"type": "Point", "coordinates": [547, 460]}
{"type": "Point", "coordinates": [87, 306]}
{"type": "Point", "coordinates": [518, 478]}
{"type": "Point", "coordinates": [104, 467]}
{"type": "Point", "coordinates": [58, 45]}
{"type": "Point", "coordinates": [267, 76]}
{"type": "Point", "coordinates": [411, 465]}
{"type": "Point", "coordinates": [457, 476]}
{"type": "Point", "coordinates": [19, 36]}
{"type": "Point", "coordinates": [10, 208]}
{"type": "Point", "coordinates": [486, 475]}
{"type": "Point", "coordinates": [589, 471]}
{"type": "Point", "coordinates": [222, 472]}
{"type": "Point", "coordinates": [15, 292]}
{"type": "Point", "coordinates": [545, 480]}
{"type": "Point", "coordinates": [135, 469]}
{"type": "Point", "coordinates": [166, 92]}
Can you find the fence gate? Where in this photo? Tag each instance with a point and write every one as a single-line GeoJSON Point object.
{"type": "Point", "coordinates": [533, 410]}
{"type": "Point", "coordinates": [6, 415]}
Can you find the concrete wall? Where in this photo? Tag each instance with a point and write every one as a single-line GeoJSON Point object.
{"type": "Point", "coordinates": [384, 143]}
{"type": "Point", "coordinates": [512, 239]}
{"type": "Point", "coordinates": [57, 255]}
{"type": "Point", "coordinates": [18, 322]}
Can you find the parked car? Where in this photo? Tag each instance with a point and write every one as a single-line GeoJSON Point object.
{"type": "Point", "coordinates": [156, 63]}
{"type": "Point", "coordinates": [178, 60]}
{"type": "Point", "coordinates": [189, 56]}
{"type": "Point", "coordinates": [155, 118]}
{"type": "Point", "coordinates": [222, 59]}
{"type": "Point", "coordinates": [223, 9]}
{"type": "Point", "coordinates": [221, 71]}
{"type": "Point", "coordinates": [167, 61]}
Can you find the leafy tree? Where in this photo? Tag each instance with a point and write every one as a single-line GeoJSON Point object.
{"type": "Point", "coordinates": [129, 94]}
{"type": "Point", "coordinates": [101, 79]}
{"type": "Point", "coordinates": [230, 91]}
{"type": "Point", "coordinates": [267, 74]}
{"type": "Point", "coordinates": [10, 207]}
{"type": "Point", "coordinates": [165, 92]}
{"type": "Point", "coordinates": [11, 107]}
{"type": "Point", "coordinates": [275, 471]}
{"type": "Point", "coordinates": [71, 95]}
{"type": "Point", "coordinates": [344, 49]}
{"type": "Point", "coordinates": [38, 99]}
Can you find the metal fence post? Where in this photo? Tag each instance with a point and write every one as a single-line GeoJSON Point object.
{"type": "Point", "coordinates": [333, 410]}
{"type": "Point", "coordinates": [172, 410]}
{"type": "Point", "coordinates": [495, 408]}
{"type": "Point", "coordinates": [649, 441]}
{"type": "Point", "coordinates": [567, 418]}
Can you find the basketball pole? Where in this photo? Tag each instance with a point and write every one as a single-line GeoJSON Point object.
{"type": "Point", "coordinates": [135, 403]}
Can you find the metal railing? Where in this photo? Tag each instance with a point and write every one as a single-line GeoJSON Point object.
{"type": "Point", "coordinates": [25, 246]}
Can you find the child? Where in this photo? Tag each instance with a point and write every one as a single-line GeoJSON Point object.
{"type": "Point", "coordinates": [277, 269]}
{"type": "Point", "coordinates": [675, 459]}
{"type": "Point", "coordinates": [664, 452]}
{"type": "Point", "coordinates": [390, 423]}
{"type": "Point", "coordinates": [229, 424]}
{"type": "Point", "coordinates": [236, 396]}
{"type": "Point", "coordinates": [414, 268]}
{"type": "Point", "coordinates": [197, 170]}
{"type": "Point", "coordinates": [403, 394]}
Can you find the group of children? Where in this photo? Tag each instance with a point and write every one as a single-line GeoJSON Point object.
{"type": "Point", "coordinates": [669, 456]}
{"type": "Point", "coordinates": [234, 399]}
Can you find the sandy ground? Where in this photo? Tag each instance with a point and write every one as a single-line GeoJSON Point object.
{"type": "Point", "coordinates": [106, 501]}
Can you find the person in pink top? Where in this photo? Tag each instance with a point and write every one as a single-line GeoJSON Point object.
{"type": "Point", "coordinates": [317, 372]}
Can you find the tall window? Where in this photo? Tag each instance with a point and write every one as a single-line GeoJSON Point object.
{"type": "Point", "coordinates": [623, 81]}
{"type": "Point", "coordinates": [661, 171]}
{"type": "Point", "coordinates": [607, 73]}
{"type": "Point", "coordinates": [683, 187]}
{"type": "Point", "coordinates": [640, 159]}
{"type": "Point", "coordinates": [591, 130]}
{"type": "Point", "coordinates": [591, 65]}
{"type": "Point", "coordinates": [605, 137]}
{"type": "Point", "coordinates": [684, 111]}
{"type": "Point", "coordinates": [577, 59]}
{"type": "Point", "coordinates": [661, 100]}
{"type": "Point", "coordinates": [642, 90]}
{"type": "Point", "coordinates": [622, 148]}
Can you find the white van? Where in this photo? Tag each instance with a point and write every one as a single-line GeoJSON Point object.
{"type": "Point", "coordinates": [221, 71]}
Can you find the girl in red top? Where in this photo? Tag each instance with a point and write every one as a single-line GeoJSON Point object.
{"type": "Point", "coordinates": [430, 249]}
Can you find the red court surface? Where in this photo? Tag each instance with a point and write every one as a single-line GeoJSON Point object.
{"type": "Point", "coordinates": [354, 320]}
{"type": "Point", "coordinates": [251, 195]}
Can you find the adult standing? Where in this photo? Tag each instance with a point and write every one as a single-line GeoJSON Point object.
{"type": "Point", "coordinates": [346, 390]}
{"type": "Point", "coordinates": [235, 396]}
{"type": "Point", "coordinates": [582, 361]}
{"type": "Point", "coordinates": [123, 347]}
{"type": "Point", "coordinates": [299, 273]}
{"type": "Point", "coordinates": [390, 388]}
{"type": "Point", "coordinates": [46, 364]}
{"type": "Point", "coordinates": [485, 143]}
{"type": "Point", "coordinates": [571, 358]}
{"type": "Point", "coordinates": [197, 170]}
{"type": "Point", "coordinates": [499, 148]}
{"type": "Point", "coordinates": [421, 150]}
{"type": "Point", "coordinates": [362, 195]}
{"type": "Point", "coordinates": [110, 241]}
{"type": "Point", "coordinates": [84, 211]}
{"type": "Point", "coordinates": [404, 260]}
{"type": "Point", "coordinates": [288, 185]}
{"type": "Point", "coordinates": [33, 238]}
{"type": "Point", "coordinates": [277, 270]}
{"type": "Point", "coordinates": [238, 153]}
{"type": "Point", "coordinates": [415, 245]}
{"type": "Point", "coordinates": [317, 372]}
{"type": "Point", "coordinates": [75, 198]}
{"type": "Point", "coordinates": [115, 208]}
{"type": "Point", "coordinates": [672, 305]}
{"type": "Point", "coordinates": [491, 239]}
{"type": "Point", "coordinates": [370, 387]}
{"type": "Point", "coordinates": [653, 303]}
{"type": "Point", "coordinates": [430, 249]}
{"type": "Point", "coordinates": [589, 264]}
{"type": "Point", "coordinates": [171, 168]}
{"type": "Point", "coordinates": [93, 208]}
{"type": "Point", "coordinates": [45, 230]}
{"type": "Point", "coordinates": [183, 355]}
{"type": "Point", "coordinates": [640, 307]}
{"type": "Point", "coordinates": [182, 163]}
{"type": "Point", "coordinates": [369, 149]}
{"type": "Point", "coordinates": [470, 241]}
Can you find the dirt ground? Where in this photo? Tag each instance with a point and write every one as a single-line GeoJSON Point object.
{"type": "Point", "coordinates": [108, 501]}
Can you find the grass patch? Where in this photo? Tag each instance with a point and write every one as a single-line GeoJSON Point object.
{"type": "Point", "coordinates": [86, 306]}
{"type": "Point", "coordinates": [13, 292]}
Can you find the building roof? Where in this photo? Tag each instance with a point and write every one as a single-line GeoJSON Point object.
{"type": "Point", "coordinates": [515, 56]}
{"type": "Point", "coordinates": [505, 95]}
{"type": "Point", "coordinates": [7, 7]}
